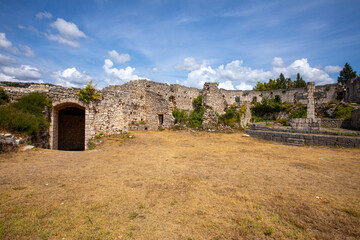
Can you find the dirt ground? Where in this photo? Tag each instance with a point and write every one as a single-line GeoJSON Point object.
{"type": "Point", "coordinates": [181, 185]}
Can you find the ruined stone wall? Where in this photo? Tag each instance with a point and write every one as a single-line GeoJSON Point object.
{"type": "Point", "coordinates": [15, 93]}
{"type": "Point", "coordinates": [329, 93]}
{"type": "Point", "coordinates": [158, 112]}
{"type": "Point", "coordinates": [142, 104]}
{"type": "Point", "coordinates": [352, 93]}
{"type": "Point", "coordinates": [116, 109]}
{"type": "Point", "coordinates": [179, 96]}
{"type": "Point", "coordinates": [287, 95]}
{"type": "Point", "coordinates": [213, 98]}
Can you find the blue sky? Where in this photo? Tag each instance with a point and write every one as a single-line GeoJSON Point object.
{"type": "Point", "coordinates": [235, 43]}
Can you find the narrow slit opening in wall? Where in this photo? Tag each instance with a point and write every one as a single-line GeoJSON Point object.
{"type": "Point", "coordinates": [161, 119]}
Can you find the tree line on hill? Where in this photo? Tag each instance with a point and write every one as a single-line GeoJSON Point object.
{"type": "Point", "coordinates": [346, 74]}
{"type": "Point", "coordinates": [281, 83]}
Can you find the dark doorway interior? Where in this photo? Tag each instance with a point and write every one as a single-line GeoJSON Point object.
{"type": "Point", "coordinates": [161, 119]}
{"type": "Point", "coordinates": [71, 129]}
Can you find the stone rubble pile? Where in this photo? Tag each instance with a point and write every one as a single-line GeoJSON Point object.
{"type": "Point", "coordinates": [9, 142]}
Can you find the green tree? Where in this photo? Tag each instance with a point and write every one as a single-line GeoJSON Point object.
{"type": "Point", "coordinates": [346, 74]}
{"type": "Point", "coordinates": [280, 83]}
{"type": "Point", "coordinates": [299, 82]}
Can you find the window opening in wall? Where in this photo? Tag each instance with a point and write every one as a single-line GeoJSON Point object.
{"type": "Point", "coordinates": [161, 119]}
{"type": "Point", "coordinates": [237, 99]}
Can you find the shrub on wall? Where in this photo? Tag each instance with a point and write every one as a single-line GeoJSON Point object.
{"type": "Point", "coordinates": [232, 115]}
{"type": "Point", "coordinates": [4, 98]}
{"type": "Point", "coordinates": [343, 111]}
{"type": "Point", "coordinates": [196, 115]}
{"type": "Point", "coordinates": [33, 103]}
{"type": "Point", "coordinates": [88, 93]}
{"type": "Point", "coordinates": [181, 116]}
{"type": "Point", "coordinates": [298, 113]}
{"type": "Point", "coordinates": [26, 115]}
{"type": "Point", "coordinates": [266, 106]}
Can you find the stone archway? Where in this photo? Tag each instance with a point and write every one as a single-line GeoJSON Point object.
{"type": "Point", "coordinates": [68, 130]}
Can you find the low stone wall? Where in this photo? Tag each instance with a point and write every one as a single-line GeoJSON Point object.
{"type": "Point", "coordinates": [305, 124]}
{"type": "Point", "coordinates": [306, 139]}
{"type": "Point", "coordinates": [336, 123]}
{"type": "Point", "coordinates": [355, 119]}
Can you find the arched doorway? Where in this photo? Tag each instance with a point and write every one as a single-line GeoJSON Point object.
{"type": "Point", "coordinates": [71, 130]}
{"type": "Point", "coordinates": [69, 127]}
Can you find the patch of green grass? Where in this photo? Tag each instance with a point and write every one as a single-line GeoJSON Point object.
{"type": "Point", "coordinates": [129, 135]}
{"type": "Point", "coordinates": [99, 135]}
{"type": "Point", "coordinates": [351, 211]}
{"type": "Point", "coordinates": [133, 215]}
{"type": "Point", "coordinates": [91, 144]}
{"type": "Point", "coordinates": [269, 231]}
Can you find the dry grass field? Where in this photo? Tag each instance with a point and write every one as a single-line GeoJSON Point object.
{"type": "Point", "coordinates": [181, 185]}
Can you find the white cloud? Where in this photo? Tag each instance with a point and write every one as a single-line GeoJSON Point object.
{"type": "Point", "coordinates": [119, 58]}
{"type": "Point", "coordinates": [7, 45]}
{"type": "Point", "coordinates": [189, 64]}
{"type": "Point", "coordinates": [244, 86]}
{"type": "Point", "coordinates": [71, 77]}
{"type": "Point", "coordinates": [309, 74]}
{"type": "Point", "coordinates": [62, 40]}
{"type": "Point", "coordinates": [24, 72]}
{"type": "Point", "coordinates": [227, 85]}
{"type": "Point", "coordinates": [234, 73]}
{"type": "Point", "coordinates": [200, 76]}
{"type": "Point", "coordinates": [28, 52]}
{"type": "Point", "coordinates": [6, 60]}
{"type": "Point", "coordinates": [155, 70]}
{"type": "Point", "coordinates": [67, 29]}
{"type": "Point", "coordinates": [69, 33]}
{"type": "Point", "coordinates": [6, 78]}
{"type": "Point", "coordinates": [118, 75]}
{"type": "Point", "coordinates": [332, 69]}
{"type": "Point", "coordinates": [278, 62]}
{"type": "Point", "coordinates": [41, 15]}
{"type": "Point", "coordinates": [30, 28]}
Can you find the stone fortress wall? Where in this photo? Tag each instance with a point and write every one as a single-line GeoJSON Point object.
{"type": "Point", "coordinates": [148, 105]}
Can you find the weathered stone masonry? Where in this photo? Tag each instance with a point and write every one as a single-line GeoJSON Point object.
{"type": "Point", "coordinates": [141, 105]}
